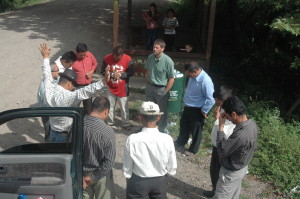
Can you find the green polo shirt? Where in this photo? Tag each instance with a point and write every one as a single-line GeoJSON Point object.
{"type": "Point", "coordinates": [159, 70]}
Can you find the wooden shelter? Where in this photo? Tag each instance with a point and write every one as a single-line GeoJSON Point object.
{"type": "Point", "coordinates": [206, 36]}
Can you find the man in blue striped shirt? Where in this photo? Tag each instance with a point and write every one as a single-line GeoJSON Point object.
{"type": "Point", "coordinates": [198, 100]}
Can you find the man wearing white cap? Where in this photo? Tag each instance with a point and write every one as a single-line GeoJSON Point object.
{"type": "Point", "coordinates": [148, 156]}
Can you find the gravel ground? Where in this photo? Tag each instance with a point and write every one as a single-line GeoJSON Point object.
{"type": "Point", "coordinates": [192, 176]}
{"type": "Point", "coordinates": [62, 24]}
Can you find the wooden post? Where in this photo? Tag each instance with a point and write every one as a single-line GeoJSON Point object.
{"type": "Point", "coordinates": [128, 32]}
{"type": "Point", "coordinates": [210, 32]}
{"type": "Point", "coordinates": [116, 23]}
{"type": "Point", "coordinates": [204, 25]}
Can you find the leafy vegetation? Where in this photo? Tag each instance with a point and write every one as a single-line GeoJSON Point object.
{"type": "Point", "coordinates": [278, 154]}
{"type": "Point", "coordinates": [256, 47]}
{"type": "Point", "coordinates": [277, 157]}
{"type": "Point", "coordinates": [256, 50]}
{"type": "Point", "coordinates": [7, 5]}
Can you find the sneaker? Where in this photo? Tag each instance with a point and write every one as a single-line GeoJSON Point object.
{"type": "Point", "coordinates": [209, 194]}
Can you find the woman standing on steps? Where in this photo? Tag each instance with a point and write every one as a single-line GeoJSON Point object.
{"type": "Point", "coordinates": [151, 17]}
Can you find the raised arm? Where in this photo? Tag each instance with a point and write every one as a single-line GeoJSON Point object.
{"type": "Point", "coordinates": [46, 68]}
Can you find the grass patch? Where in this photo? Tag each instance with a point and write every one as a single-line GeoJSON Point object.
{"type": "Point", "coordinates": [245, 184]}
{"type": "Point", "coordinates": [137, 90]}
{"type": "Point", "coordinates": [243, 197]}
{"type": "Point", "coordinates": [134, 108]}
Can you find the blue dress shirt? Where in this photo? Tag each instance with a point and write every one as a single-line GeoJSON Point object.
{"type": "Point", "coordinates": [199, 92]}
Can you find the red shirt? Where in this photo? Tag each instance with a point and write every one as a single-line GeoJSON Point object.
{"type": "Point", "coordinates": [81, 67]}
{"type": "Point", "coordinates": [151, 21]}
{"type": "Point", "coordinates": [117, 87]}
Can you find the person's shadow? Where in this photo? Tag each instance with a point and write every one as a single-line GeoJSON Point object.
{"type": "Point", "coordinates": [21, 131]}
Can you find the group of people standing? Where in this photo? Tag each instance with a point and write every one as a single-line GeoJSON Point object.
{"type": "Point", "coordinates": [149, 155]}
{"type": "Point", "coordinates": [154, 22]}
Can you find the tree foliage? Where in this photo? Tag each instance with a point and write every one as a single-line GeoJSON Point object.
{"type": "Point", "coordinates": [257, 47]}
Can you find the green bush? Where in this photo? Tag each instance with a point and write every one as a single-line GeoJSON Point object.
{"type": "Point", "coordinates": [7, 5]}
{"type": "Point", "coordinates": [277, 158]}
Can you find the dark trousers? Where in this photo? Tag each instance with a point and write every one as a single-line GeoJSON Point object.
{"type": "Point", "coordinates": [169, 39]}
{"type": "Point", "coordinates": [215, 167]}
{"type": "Point", "coordinates": [87, 105]}
{"type": "Point", "coordinates": [138, 187]}
{"type": "Point", "coordinates": [151, 36]}
{"type": "Point", "coordinates": [191, 122]}
{"type": "Point", "coordinates": [46, 124]}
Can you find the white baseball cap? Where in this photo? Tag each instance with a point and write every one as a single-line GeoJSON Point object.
{"type": "Point", "coordinates": [150, 108]}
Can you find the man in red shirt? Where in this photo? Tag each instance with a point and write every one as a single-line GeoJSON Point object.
{"type": "Point", "coordinates": [121, 67]}
{"type": "Point", "coordinates": [85, 66]}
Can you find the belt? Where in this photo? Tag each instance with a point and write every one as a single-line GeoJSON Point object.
{"type": "Point", "coordinates": [190, 107]}
{"type": "Point", "coordinates": [159, 86]}
{"type": "Point", "coordinates": [65, 132]}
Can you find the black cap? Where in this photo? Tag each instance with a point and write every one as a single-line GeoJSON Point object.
{"type": "Point", "coordinates": [70, 75]}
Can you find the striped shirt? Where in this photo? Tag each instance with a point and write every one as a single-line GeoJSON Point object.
{"type": "Point", "coordinates": [99, 148]}
{"type": "Point", "coordinates": [237, 151]}
{"type": "Point", "coordinates": [42, 101]}
{"type": "Point", "coordinates": [170, 22]}
{"type": "Point", "coordinates": [57, 96]}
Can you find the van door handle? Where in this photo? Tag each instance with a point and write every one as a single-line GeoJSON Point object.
{"type": "Point", "coordinates": [3, 169]}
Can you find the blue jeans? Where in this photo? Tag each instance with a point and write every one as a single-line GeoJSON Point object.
{"type": "Point", "coordinates": [151, 37]}
{"type": "Point", "coordinates": [56, 136]}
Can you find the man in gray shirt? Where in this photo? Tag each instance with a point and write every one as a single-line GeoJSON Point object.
{"type": "Point", "coordinates": [237, 151]}
{"type": "Point", "coordinates": [99, 152]}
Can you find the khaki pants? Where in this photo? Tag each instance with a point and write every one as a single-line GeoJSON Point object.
{"type": "Point", "coordinates": [103, 189]}
{"type": "Point", "coordinates": [123, 103]}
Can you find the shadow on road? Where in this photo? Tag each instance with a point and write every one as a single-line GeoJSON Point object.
{"type": "Point", "coordinates": [66, 22]}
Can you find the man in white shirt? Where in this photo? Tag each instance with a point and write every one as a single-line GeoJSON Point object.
{"type": "Point", "coordinates": [148, 156]}
{"type": "Point", "coordinates": [65, 61]}
{"type": "Point", "coordinates": [64, 94]}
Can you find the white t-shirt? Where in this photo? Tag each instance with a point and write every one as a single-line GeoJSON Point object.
{"type": "Point", "coordinates": [228, 129]}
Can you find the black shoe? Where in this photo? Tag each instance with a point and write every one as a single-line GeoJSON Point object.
{"type": "Point", "coordinates": [209, 194]}
{"type": "Point", "coordinates": [180, 149]}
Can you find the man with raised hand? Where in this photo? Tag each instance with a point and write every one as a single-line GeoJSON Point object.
{"type": "Point", "coordinates": [64, 94]}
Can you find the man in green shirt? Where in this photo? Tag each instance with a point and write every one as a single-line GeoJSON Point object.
{"type": "Point", "coordinates": [160, 79]}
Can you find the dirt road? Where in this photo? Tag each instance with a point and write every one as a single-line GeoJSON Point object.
{"type": "Point", "coordinates": [62, 24]}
